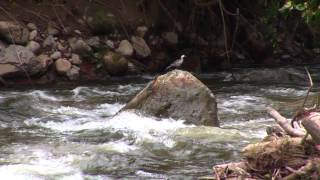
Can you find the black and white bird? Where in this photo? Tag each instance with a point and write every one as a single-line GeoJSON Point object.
{"type": "Point", "coordinates": [176, 64]}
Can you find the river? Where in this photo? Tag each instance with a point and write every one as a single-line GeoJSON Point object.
{"type": "Point", "coordinates": [68, 132]}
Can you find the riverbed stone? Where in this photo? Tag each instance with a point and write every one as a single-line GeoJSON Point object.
{"type": "Point", "coordinates": [62, 66]}
{"type": "Point", "coordinates": [140, 46]}
{"type": "Point", "coordinates": [49, 42]}
{"type": "Point", "coordinates": [74, 73]}
{"type": "Point", "coordinates": [75, 59]}
{"type": "Point", "coordinates": [125, 48]}
{"type": "Point", "coordinates": [141, 31]}
{"type": "Point", "coordinates": [94, 42]}
{"type": "Point", "coordinates": [44, 60]}
{"type": "Point", "coordinates": [33, 34]}
{"type": "Point", "coordinates": [31, 26]}
{"type": "Point", "coordinates": [33, 46]}
{"type": "Point", "coordinates": [18, 60]}
{"type": "Point", "coordinates": [56, 55]}
{"type": "Point", "coordinates": [179, 95]}
{"type": "Point", "coordinates": [13, 32]}
{"type": "Point", "coordinates": [115, 64]}
{"type": "Point", "coordinates": [269, 75]}
{"type": "Point", "coordinates": [79, 46]}
{"type": "Point", "coordinates": [3, 45]}
{"type": "Point", "coordinates": [110, 44]}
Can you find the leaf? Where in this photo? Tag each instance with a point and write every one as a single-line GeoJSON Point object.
{"type": "Point", "coordinates": [287, 6]}
{"type": "Point", "coordinates": [300, 7]}
{"type": "Point", "coordinates": [99, 65]}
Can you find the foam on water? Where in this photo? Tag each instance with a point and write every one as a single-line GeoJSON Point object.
{"type": "Point", "coordinates": [43, 95]}
{"type": "Point", "coordinates": [241, 104]}
{"type": "Point", "coordinates": [120, 147]}
{"type": "Point", "coordinates": [129, 123]}
{"type": "Point", "coordinates": [42, 165]}
{"type": "Point", "coordinates": [281, 91]}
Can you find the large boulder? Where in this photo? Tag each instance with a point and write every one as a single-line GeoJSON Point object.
{"type": "Point", "coordinates": [177, 94]}
{"type": "Point", "coordinates": [18, 60]}
{"type": "Point", "coordinates": [13, 32]}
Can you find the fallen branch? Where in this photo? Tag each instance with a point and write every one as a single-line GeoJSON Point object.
{"type": "Point", "coordinates": [285, 123]}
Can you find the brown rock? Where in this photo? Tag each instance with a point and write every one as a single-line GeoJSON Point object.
{"type": "Point", "coordinates": [177, 94]}
{"type": "Point", "coordinates": [115, 64]}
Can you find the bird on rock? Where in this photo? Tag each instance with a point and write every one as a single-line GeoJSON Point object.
{"type": "Point", "coordinates": [176, 64]}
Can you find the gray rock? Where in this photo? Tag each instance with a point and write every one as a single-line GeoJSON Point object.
{"type": "Point", "coordinates": [141, 31]}
{"type": "Point", "coordinates": [49, 42]}
{"type": "Point", "coordinates": [62, 66]}
{"type": "Point", "coordinates": [170, 37]}
{"type": "Point", "coordinates": [33, 34]}
{"type": "Point", "coordinates": [33, 46]}
{"type": "Point", "coordinates": [44, 62]}
{"type": "Point", "coordinates": [177, 94]}
{"type": "Point", "coordinates": [115, 64]}
{"type": "Point", "coordinates": [74, 73]}
{"type": "Point", "coordinates": [125, 48]}
{"type": "Point", "coordinates": [13, 32]}
{"type": "Point", "coordinates": [265, 75]}
{"type": "Point", "coordinates": [31, 26]}
{"type": "Point", "coordinates": [3, 45]}
{"type": "Point", "coordinates": [56, 55]}
{"type": "Point", "coordinates": [77, 32]}
{"type": "Point", "coordinates": [79, 46]}
{"type": "Point", "coordinates": [61, 47]}
{"type": "Point", "coordinates": [110, 44]}
{"type": "Point", "coordinates": [140, 46]}
{"type": "Point", "coordinates": [75, 59]}
{"type": "Point", "coordinates": [18, 60]}
{"type": "Point", "coordinates": [94, 42]}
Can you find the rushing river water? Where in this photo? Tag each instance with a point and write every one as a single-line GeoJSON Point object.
{"type": "Point", "coordinates": [72, 133]}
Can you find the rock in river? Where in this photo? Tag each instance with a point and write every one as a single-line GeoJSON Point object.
{"type": "Point", "coordinates": [177, 94]}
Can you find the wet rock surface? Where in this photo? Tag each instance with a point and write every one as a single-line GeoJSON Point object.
{"type": "Point", "coordinates": [177, 94]}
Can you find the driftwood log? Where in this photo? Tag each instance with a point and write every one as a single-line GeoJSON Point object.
{"type": "Point", "coordinates": [285, 123]}
{"type": "Point", "coordinates": [283, 157]}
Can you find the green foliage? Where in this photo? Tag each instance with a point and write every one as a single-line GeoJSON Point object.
{"type": "Point", "coordinates": [96, 57]}
{"type": "Point", "coordinates": [269, 21]}
{"type": "Point", "coordinates": [309, 10]}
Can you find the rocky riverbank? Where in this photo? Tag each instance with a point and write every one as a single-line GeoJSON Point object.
{"type": "Point", "coordinates": [43, 42]}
